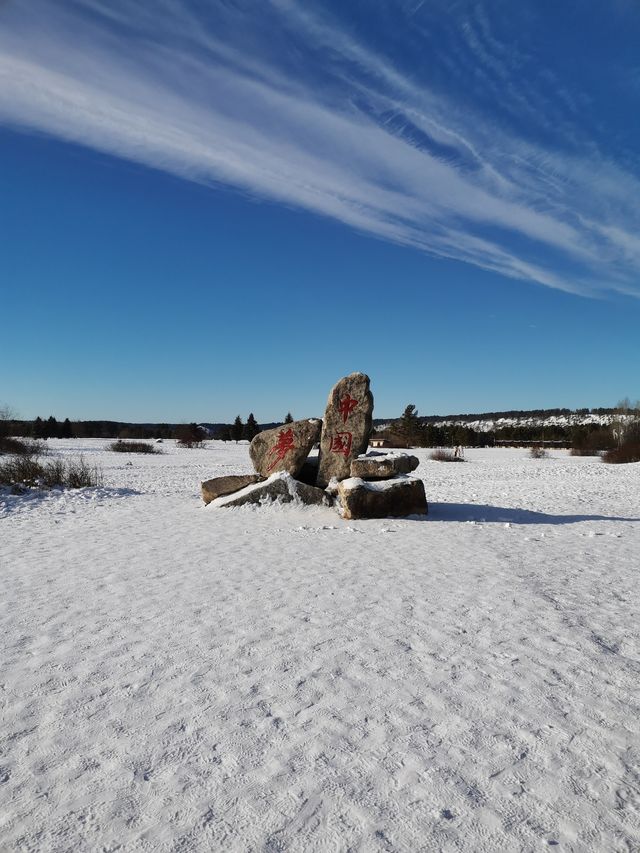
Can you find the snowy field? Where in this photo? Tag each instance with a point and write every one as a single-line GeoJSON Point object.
{"type": "Point", "coordinates": [174, 677]}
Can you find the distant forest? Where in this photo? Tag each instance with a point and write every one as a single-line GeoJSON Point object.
{"type": "Point", "coordinates": [410, 428]}
{"type": "Point", "coordinates": [516, 413]}
{"type": "Point", "coordinates": [414, 430]}
{"type": "Point", "coordinates": [42, 428]}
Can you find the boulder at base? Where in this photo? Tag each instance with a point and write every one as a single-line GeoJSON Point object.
{"type": "Point", "coordinates": [346, 427]}
{"type": "Point", "coordinates": [284, 448]}
{"type": "Point", "coordinates": [279, 487]}
{"type": "Point", "coordinates": [218, 486]}
{"type": "Point", "coordinates": [381, 466]}
{"type": "Point", "coordinates": [401, 496]}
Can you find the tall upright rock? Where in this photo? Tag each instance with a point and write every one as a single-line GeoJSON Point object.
{"type": "Point", "coordinates": [346, 427]}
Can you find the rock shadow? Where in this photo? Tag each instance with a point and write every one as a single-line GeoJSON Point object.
{"type": "Point", "coordinates": [508, 515]}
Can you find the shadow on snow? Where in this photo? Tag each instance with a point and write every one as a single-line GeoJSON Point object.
{"type": "Point", "coordinates": [511, 515]}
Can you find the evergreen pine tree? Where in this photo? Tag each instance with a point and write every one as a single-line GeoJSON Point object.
{"type": "Point", "coordinates": [289, 418]}
{"type": "Point", "coordinates": [51, 427]}
{"type": "Point", "coordinates": [65, 430]}
{"type": "Point", "coordinates": [251, 428]}
{"type": "Point", "coordinates": [189, 435]}
{"type": "Point", "coordinates": [409, 423]}
{"type": "Point", "coordinates": [6, 416]}
{"type": "Point", "coordinates": [236, 429]}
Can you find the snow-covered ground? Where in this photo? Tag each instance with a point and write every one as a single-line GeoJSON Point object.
{"type": "Point", "coordinates": [174, 677]}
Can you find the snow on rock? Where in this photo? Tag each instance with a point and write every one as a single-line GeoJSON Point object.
{"type": "Point", "coordinates": [388, 456]}
{"type": "Point", "coordinates": [373, 465]}
{"type": "Point", "coordinates": [280, 487]}
{"type": "Point", "coordinates": [174, 678]}
{"type": "Point", "coordinates": [352, 483]}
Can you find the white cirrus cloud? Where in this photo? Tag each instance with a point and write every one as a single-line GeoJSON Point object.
{"type": "Point", "coordinates": [350, 136]}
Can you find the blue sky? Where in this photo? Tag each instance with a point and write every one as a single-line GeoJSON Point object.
{"type": "Point", "coordinates": [216, 208]}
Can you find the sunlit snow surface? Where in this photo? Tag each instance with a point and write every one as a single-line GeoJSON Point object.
{"type": "Point", "coordinates": [279, 679]}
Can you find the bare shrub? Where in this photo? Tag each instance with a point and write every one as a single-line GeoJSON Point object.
{"type": "Point", "coordinates": [80, 474]}
{"type": "Point", "coordinates": [538, 452]}
{"type": "Point", "coordinates": [189, 435]}
{"type": "Point", "coordinates": [21, 471]}
{"type": "Point", "coordinates": [584, 451]}
{"type": "Point", "coordinates": [592, 442]}
{"type": "Point", "coordinates": [443, 454]}
{"type": "Point", "coordinates": [133, 447]}
{"type": "Point", "coordinates": [28, 472]}
{"type": "Point", "coordinates": [627, 452]}
{"type": "Point", "coordinates": [53, 474]}
{"type": "Point", "coordinates": [628, 449]}
{"type": "Point", "coordinates": [20, 446]}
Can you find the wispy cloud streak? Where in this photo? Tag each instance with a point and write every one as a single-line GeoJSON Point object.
{"type": "Point", "coordinates": [343, 133]}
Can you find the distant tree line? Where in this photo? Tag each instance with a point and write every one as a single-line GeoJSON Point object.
{"type": "Point", "coordinates": [52, 428]}
{"type": "Point", "coordinates": [238, 430]}
{"type": "Point", "coordinates": [418, 431]}
{"type": "Point", "coordinates": [186, 434]}
{"type": "Point", "coordinates": [411, 428]}
{"type": "Point", "coordinates": [519, 413]}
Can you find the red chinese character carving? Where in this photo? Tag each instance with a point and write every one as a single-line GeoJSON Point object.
{"type": "Point", "coordinates": [282, 447]}
{"type": "Point", "coordinates": [341, 443]}
{"type": "Point", "coordinates": [346, 406]}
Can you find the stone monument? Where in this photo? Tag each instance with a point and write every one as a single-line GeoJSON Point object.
{"type": "Point", "coordinates": [346, 427]}
{"type": "Point", "coordinates": [359, 484]}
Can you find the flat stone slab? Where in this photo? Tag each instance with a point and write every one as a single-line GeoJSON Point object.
{"type": "Point", "coordinates": [280, 487]}
{"type": "Point", "coordinates": [284, 448]}
{"type": "Point", "coordinates": [382, 466]}
{"type": "Point", "coordinates": [346, 427]}
{"type": "Point", "coordinates": [218, 486]}
{"type": "Point", "coordinates": [403, 495]}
